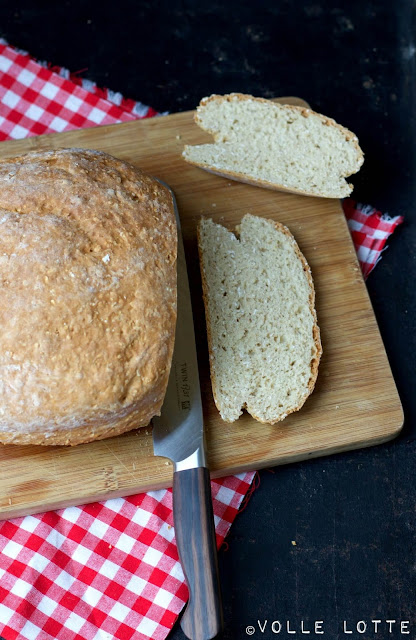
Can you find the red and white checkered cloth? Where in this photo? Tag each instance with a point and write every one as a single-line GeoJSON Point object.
{"type": "Point", "coordinates": [105, 570]}
{"type": "Point", "coordinates": [35, 99]}
{"type": "Point", "coordinates": [370, 230]}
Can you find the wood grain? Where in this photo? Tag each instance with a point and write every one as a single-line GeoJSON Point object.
{"type": "Point", "coordinates": [355, 403]}
{"type": "Point", "coordinates": [195, 537]}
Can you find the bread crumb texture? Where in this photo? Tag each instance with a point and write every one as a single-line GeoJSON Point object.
{"type": "Point", "coordinates": [277, 146]}
{"type": "Point", "coordinates": [263, 336]}
{"type": "Point", "coordinates": [88, 296]}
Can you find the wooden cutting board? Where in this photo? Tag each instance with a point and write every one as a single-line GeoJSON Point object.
{"type": "Point", "coordinates": [355, 403]}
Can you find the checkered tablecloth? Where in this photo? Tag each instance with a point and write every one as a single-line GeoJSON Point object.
{"type": "Point", "coordinates": [106, 570]}
{"type": "Point", "coordinates": [370, 230]}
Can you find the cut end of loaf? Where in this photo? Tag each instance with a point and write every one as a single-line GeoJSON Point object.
{"type": "Point", "coordinates": [262, 333]}
{"type": "Point", "coordinates": [277, 146]}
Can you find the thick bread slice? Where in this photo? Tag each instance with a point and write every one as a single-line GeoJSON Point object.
{"type": "Point", "coordinates": [277, 146]}
{"type": "Point", "coordinates": [263, 337]}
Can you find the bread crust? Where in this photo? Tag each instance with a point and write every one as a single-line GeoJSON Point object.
{"type": "Point", "coordinates": [315, 329]}
{"type": "Point", "coordinates": [88, 297]}
{"type": "Point", "coordinates": [205, 294]}
{"type": "Point", "coordinates": [256, 182]}
{"type": "Point", "coordinates": [242, 177]}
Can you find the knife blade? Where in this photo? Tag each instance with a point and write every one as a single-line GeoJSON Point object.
{"type": "Point", "coordinates": [178, 434]}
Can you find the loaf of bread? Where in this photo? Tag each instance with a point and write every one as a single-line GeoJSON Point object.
{"type": "Point", "coordinates": [263, 338]}
{"type": "Point", "coordinates": [87, 297]}
{"type": "Point", "coordinates": [276, 146]}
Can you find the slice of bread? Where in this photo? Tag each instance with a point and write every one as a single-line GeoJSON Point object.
{"type": "Point", "coordinates": [263, 337]}
{"type": "Point", "coordinates": [281, 147]}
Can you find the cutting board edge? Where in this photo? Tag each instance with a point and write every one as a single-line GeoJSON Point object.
{"type": "Point", "coordinates": [48, 140]}
{"type": "Point", "coordinates": [55, 140]}
{"type": "Point", "coordinates": [215, 474]}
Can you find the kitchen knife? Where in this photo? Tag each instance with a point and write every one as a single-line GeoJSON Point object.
{"type": "Point", "coordinates": [178, 434]}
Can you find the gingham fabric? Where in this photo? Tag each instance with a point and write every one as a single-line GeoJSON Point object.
{"type": "Point", "coordinates": [35, 100]}
{"type": "Point", "coordinates": [105, 570]}
{"type": "Point", "coordinates": [369, 230]}
{"type": "Point", "coordinates": [102, 571]}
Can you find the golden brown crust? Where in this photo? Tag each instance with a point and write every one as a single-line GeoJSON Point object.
{"type": "Point", "coordinates": [88, 296]}
{"type": "Point", "coordinates": [315, 329]}
{"type": "Point", "coordinates": [207, 319]}
{"type": "Point", "coordinates": [78, 435]}
{"type": "Point", "coordinates": [242, 177]}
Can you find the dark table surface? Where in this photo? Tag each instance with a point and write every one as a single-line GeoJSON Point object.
{"type": "Point", "coordinates": [352, 515]}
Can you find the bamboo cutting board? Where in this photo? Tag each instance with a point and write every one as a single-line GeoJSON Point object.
{"type": "Point", "coordinates": [355, 403]}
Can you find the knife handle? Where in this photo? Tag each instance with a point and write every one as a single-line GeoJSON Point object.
{"type": "Point", "coordinates": [196, 542]}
